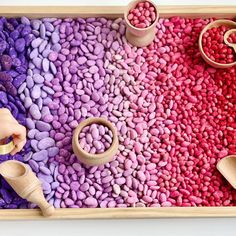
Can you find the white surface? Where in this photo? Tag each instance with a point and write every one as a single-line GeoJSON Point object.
{"type": "Point", "coordinates": [160, 227]}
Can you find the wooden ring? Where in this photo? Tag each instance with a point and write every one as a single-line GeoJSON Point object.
{"type": "Point", "coordinates": [95, 159]}
{"type": "Point", "coordinates": [6, 148]}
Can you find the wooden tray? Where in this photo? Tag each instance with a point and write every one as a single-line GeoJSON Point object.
{"type": "Point", "coordinates": [118, 213]}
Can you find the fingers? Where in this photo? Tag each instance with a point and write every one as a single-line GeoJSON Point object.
{"type": "Point", "coordinates": [10, 127]}
{"type": "Point", "coordinates": [19, 138]}
{"type": "Point", "coordinates": [5, 111]}
{"type": "Point", "coordinates": [18, 146]}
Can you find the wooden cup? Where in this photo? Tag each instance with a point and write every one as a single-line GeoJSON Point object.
{"type": "Point", "coordinates": [26, 184]}
{"type": "Point", "coordinates": [95, 159]}
{"type": "Point", "coordinates": [137, 36]}
{"type": "Point", "coordinates": [217, 23]}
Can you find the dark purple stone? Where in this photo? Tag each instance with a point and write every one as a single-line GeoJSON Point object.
{"type": "Point", "coordinates": [4, 77]}
{"type": "Point", "coordinates": [19, 80]}
{"type": "Point", "coordinates": [2, 202]}
{"type": "Point", "coordinates": [20, 27]}
{"type": "Point", "coordinates": [6, 195]}
{"type": "Point", "coordinates": [2, 88]}
{"type": "Point", "coordinates": [28, 39]}
{"type": "Point", "coordinates": [20, 106]}
{"type": "Point", "coordinates": [3, 98]}
{"type": "Point", "coordinates": [14, 109]}
{"type": "Point", "coordinates": [6, 34]}
{"type": "Point", "coordinates": [2, 35]}
{"type": "Point", "coordinates": [11, 43]}
{"type": "Point", "coordinates": [13, 73]}
{"type": "Point", "coordinates": [12, 52]}
{"type": "Point", "coordinates": [21, 118]}
{"type": "Point", "coordinates": [16, 62]}
{"type": "Point", "coordinates": [10, 88]}
{"type": "Point", "coordinates": [26, 31]}
{"type": "Point", "coordinates": [14, 34]}
{"type": "Point", "coordinates": [20, 45]}
{"type": "Point", "coordinates": [13, 21]}
{"type": "Point", "coordinates": [11, 206]}
{"type": "Point", "coordinates": [21, 69]}
{"type": "Point", "coordinates": [22, 58]}
{"type": "Point", "coordinates": [10, 98]}
{"type": "Point", "coordinates": [6, 62]}
{"type": "Point", "coordinates": [3, 46]}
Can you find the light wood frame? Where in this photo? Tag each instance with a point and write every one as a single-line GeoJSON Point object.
{"type": "Point", "coordinates": [118, 213]}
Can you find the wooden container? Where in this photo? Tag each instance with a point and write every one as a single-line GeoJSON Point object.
{"type": "Point", "coordinates": [118, 213]}
{"type": "Point", "coordinates": [95, 159]}
{"type": "Point", "coordinates": [217, 23]}
{"type": "Point", "coordinates": [137, 36]}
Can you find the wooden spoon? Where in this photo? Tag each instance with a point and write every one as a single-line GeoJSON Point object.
{"type": "Point", "coordinates": [227, 167]}
{"type": "Point", "coordinates": [226, 36]}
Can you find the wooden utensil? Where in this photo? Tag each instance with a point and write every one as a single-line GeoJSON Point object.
{"type": "Point", "coordinates": [227, 167]}
{"type": "Point", "coordinates": [226, 36]}
{"type": "Point", "coordinates": [137, 36]}
{"type": "Point", "coordinates": [26, 184]}
{"type": "Point", "coordinates": [6, 148]}
{"type": "Point", "coordinates": [95, 159]}
{"type": "Point", "coordinates": [216, 23]}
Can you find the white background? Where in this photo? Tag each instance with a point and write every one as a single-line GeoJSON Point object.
{"type": "Point", "coordinates": [160, 227]}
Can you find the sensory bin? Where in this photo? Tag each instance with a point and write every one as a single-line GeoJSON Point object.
{"type": "Point", "coordinates": [174, 114]}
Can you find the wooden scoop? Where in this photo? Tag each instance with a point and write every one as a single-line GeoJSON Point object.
{"type": "Point", "coordinates": [226, 36]}
{"type": "Point", "coordinates": [26, 184]}
{"type": "Point", "coordinates": [227, 167]}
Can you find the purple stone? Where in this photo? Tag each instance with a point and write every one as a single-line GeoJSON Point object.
{"type": "Point", "coordinates": [12, 52]}
{"type": "Point", "coordinates": [3, 97]}
{"type": "Point", "coordinates": [3, 46]}
{"type": "Point", "coordinates": [20, 79]}
{"type": "Point", "coordinates": [16, 62]}
{"type": "Point", "coordinates": [6, 62]}
{"type": "Point", "coordinates": [14, 34]}
{"type": "Point", "coordinates": [4, 77]}
{"type": "Point", "coordinates": [20, 45]}
{"type": "Point", "coordinates": [26, 31]}
{"type": "Point", "coordinates": [6, 195]}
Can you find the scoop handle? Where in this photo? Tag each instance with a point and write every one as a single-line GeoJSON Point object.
{"type": "Point", "coordinates": [38, 198]}
{"type": "Point", "coordinates": [226, 36]}
{"type": "Point", "coordinates": [46, 208]}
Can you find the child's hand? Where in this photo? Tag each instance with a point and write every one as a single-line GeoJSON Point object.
{"type": "Point", "coordinates": [9, 127]}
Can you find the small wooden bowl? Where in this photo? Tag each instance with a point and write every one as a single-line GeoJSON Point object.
{"type": "Point", "coordinates": [95, 159]}
{"type": "Point", "coordinates": [216, 23]}
{"type": "Point", "coordinates": [137, 36]}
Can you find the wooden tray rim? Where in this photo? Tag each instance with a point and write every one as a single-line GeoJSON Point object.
{"type": "Point", "coordinates": [118, 213]}
{"type": "Point", "coordinates": [117, 11]}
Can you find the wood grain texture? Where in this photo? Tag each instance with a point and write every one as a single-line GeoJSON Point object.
{"type": "Point", "coordinates": [118, 213]}
{"type": "Point", "coordinates": [115, 11]}
{"type": "Point", "coordinates": [121, 213]}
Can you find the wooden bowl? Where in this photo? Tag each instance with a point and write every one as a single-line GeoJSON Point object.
{"type": "Point", "coordinates": [140, 37]}
{"type": "Point", "coordinates": [216, 23]}
{"type": "Point", "coordinates": [95, 159]}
